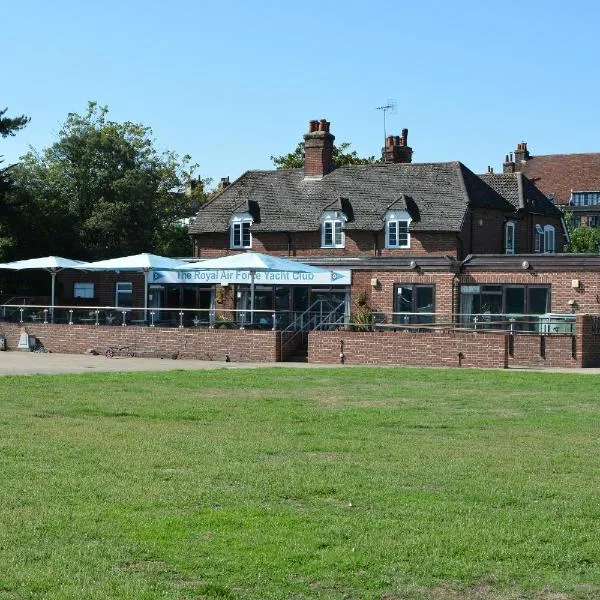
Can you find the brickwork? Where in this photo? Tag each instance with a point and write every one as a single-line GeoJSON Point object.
{"type": "Point", "coordinates": [588, 340]}
{"type": "Point", "coordinates": [406, 348]}
{"type": "Point", "coordinates": [201, 344]}
{"type": "Point", "coordinates": [586, 297]}
{"type": "Point", "coordinates": [105, 285]}
{"type": "Point", "coordinates": [306, 244]}
{"type": "Point", "coordinates": [543, 351]}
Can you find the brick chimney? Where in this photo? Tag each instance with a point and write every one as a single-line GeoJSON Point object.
{"type": "Point", "coordinates": [521, 153]}
{"type": "Point", "coordinates": [318, 149]}
{"type": "Point", "coordinates": [397, 149]}
{"type": "Point", "coordinates": [509, 164]}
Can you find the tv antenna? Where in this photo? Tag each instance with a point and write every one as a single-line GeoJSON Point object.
{"type": "Point", "coordinates": [390, 105]}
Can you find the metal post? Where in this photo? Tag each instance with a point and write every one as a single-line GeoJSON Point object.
{"type": "Point", "coordinates": [124, 313]}
{"type": "Point", "coordinates": [70, 316]}
{"type": "Point", "coordinates": [97, 317]}
{"type": "Point", "coordinates": [21, 309]}
{"type": "Point", "coordinates": [180, 319]}
{"type": "Point", "coordinates": [274, 323]}
{"type": "Point", "coordinates": [45, 316]}
{"type": "Point", "coordinates": [152, 319]}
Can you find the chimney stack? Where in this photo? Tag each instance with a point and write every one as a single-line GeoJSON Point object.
{"type": "Point", "coordinates": [521, 153]}
{"type": "Point", "coordinates": [397, 149]}
{"type": "Point", "coordinates": [509, 164]}
{"type": "Point", "coordinates": [318, 149]}
{"type": "Point", "coordinates": [224, 183]}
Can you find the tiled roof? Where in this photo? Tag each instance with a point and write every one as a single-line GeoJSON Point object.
{"type": "Point", "coordinates": [437, 193]}
{"type": "Point", "coordinates": [558, 174]}
{"type": "Point", "coordinates": [521, 193]}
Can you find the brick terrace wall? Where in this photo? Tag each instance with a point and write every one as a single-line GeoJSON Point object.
{"type": "Point", "coordinates": [544, 351]}
{"type": "Point", "coordinates": [438, 349]}
{"type": "Point", "coordinates": [588, 340]}
{"type": "Point", "coordinates": [201, 344]}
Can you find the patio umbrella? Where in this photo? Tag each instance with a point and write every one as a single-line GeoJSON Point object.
{"type": "Point", "coordinates": [52, 264]}
{"type": "Point", "coordinates": [136, 263]}
{"type": "Point", "coordinates": [253, 262]}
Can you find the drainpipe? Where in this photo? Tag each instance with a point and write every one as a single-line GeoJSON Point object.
{"type": "Point", "coordinates": [289, 243]}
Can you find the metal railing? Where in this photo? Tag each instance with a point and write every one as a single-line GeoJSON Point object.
{"type": "Point", "coordinates": [291, 324]}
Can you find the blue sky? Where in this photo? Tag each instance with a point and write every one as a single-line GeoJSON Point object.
{"type": "Point", "coordinates": [231, 83]}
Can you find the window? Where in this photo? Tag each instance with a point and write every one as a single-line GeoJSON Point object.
{"type": "Point", "coordinates": [509, 237]}
{"type": "Point", "coordinates": [576, 221]}
{"type": "Point", "coordinates": [332, 234]}
{"type": "Point", "coordinates": [593, 221]}
{"type": "Point", "coordinates": [479, 302]}
{"type": "Point", "coordinates": [124, 294]}
{"type": "Point", "coordinates": [83, 290]}
{"type": "Point", "coordinates": [396, 229]}
{"type": "Point", "coordinates": [539, 238]}
{"type": "Point", "coordinates": [240, 231]}
{"type": "Point", "coordinates": [548, 238]}
{"type": "Point", "coordinates": [413, 299]}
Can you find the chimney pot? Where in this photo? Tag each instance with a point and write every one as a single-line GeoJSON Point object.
{"type": "Point", "coordinates": [224, 182]}
{"type": "Point", "coordinates": [318, 149]}
{"type": "Point", "coordinates": [389, 141]}
{"type": "Point", "coordinates": [405, 135]}
{"type": "Point", "coordinates": [322, 125]}
{"type": "Point", "coordinates": [398, 141]}
{"type": "Point", "coordinates": [313, 126]}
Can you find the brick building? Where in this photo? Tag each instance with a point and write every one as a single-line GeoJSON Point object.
{"type": "Point", "coordinates": [402, 229]}
{"type": "Point", "coordinates": [571, 181]}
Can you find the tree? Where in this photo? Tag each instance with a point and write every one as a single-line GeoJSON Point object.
{"type": "Point", "coordinates": [8, 126]}
{"type": "Point", "coordinates": [341, 157]}
{"type": "Point", "coordinates": [585, 240]}
{"type": "Point", "coordinates": [103, 190]}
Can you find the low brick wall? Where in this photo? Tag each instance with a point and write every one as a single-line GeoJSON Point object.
{"type": "Point", "coordinates": [439, 349]}
{"type": "Point", "coordinates": [201, 344]}
{"type": "Point", "coordinates": [543, 351]}
{"type": "Point", "coordinates": [588, 340]}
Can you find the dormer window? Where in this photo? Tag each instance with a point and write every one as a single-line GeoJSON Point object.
{"type": "Point", "coordinates": [397, 223]}
{"type": "Point", "coordinates": [539, 238]}
{"type": "Point", "coordinates": [509, 237]}
{"type": "Point", "coordinates": [548, 238]}
{"type": "Point", "coordinates": [332, 234]}
{"type": "Point", "coordinates": [239, 226]}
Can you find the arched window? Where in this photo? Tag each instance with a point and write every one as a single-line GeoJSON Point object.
{"type": "Point", "coordinates": [397, 223]}
{"type": "Point", "coordinates": [332, 234]}
{"type": "Point", "coordinates": [549, 238]}
{"type": "Point", "coordinates": [239, 227]}
{"type": "Point", "coordinates": [509, 237]}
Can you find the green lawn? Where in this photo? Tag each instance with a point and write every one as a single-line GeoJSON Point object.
{"type": "Point", "coordinates": [277, 483]}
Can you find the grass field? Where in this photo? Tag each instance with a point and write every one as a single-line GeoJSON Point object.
{"type": "Point", "coordinates": [276, 483]}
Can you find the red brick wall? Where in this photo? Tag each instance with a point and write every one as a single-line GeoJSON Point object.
{"type": "Point", "coordinates": [105, 285]}
{"type": "Point", "coordinates": [308, 243]}
{"type": "Point", "coordinates": [405, 348]}
{"type": "Point", "coordinates": [586, 297]}
{"type": "Point", "coordinates": [201, 344]}
{"type": "Point", "coordinates": [543, 351]}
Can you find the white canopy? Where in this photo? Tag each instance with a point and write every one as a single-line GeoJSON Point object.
{"type": "Point", "coordinates": [52, 264]}
{"type": "Point", "coordinates": [135, 263]}
{"type": "Point", "coordinates": [253, 262]}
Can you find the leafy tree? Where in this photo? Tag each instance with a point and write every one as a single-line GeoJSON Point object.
{"type": "Point", "coordinates": [584, 240]}
{"type": "Point", "coordinates": [342, 156]}
{"type": "Point", "coordinates": [103, 190]}
{"type": "Point", "coordinates": [8, 126]}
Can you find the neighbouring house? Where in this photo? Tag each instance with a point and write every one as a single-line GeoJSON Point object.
{"type": "Point", "coordinates": [570, 181]}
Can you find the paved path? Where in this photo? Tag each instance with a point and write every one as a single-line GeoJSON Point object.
{"type": "Point", "coordinates": [29, 363]}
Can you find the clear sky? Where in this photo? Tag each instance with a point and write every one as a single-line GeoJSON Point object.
{"type": "Point", "coordinates": [231, 83]}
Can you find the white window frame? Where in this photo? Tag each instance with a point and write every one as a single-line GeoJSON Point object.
{"type": "Point", "coordinates": [83, 289]}
{"type": "Point", "coordinates": [123, 288]}
{"type": "Point", "coordinates": [509, 249]}
{"type": "Point", "coordinates": [333, 220]}
{"type": "Point", "coordinates": [539, 237]}
{"type": "Point", "coordinates": [237, 224]}
{"type": "Point", "coordinates": [549, 239]}
{"type": "Point", "coordinates": [392, 219]}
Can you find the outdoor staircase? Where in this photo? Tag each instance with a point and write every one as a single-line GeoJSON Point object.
{"type": "Point", "coordinates": [294, 347]}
